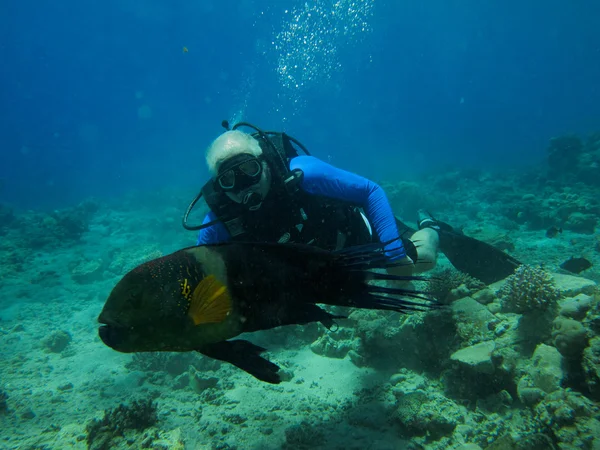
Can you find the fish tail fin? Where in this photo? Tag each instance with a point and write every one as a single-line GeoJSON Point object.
{"type": "Point", "coordinates": [352, 280]}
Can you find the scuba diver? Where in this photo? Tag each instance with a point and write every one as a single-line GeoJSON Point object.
{"type": "Point", "coordinates": [263, 189]}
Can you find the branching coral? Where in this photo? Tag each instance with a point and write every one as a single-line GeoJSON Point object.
{"type": "Point", "coordinates": [448, 279]}
{"type": "Point", "coordinates": [529, 289]}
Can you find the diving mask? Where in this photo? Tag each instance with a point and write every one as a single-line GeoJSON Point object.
{"type": "Point", "coordinates": [239, 173]}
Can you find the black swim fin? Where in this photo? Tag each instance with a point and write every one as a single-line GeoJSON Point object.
{"type": "Point", "coordinates": [469, 255]}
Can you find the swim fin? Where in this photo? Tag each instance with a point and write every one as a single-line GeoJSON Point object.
{"type": "Point", "coordinates": [469, 255]}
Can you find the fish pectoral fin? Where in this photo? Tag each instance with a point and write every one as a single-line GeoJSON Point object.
{"type": "Point", "coordinates": [210, 303]}
{"type": "Point", "coordinates": [246, 356]}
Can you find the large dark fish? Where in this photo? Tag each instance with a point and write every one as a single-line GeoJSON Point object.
{"type": "Point", "coordinates": [197, 298]}
{"type": "Point", "coordinates": [576, 265]}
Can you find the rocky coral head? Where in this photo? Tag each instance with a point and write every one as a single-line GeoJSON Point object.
{"type": "Point", "coordinates": [447, 280]}
{"type": "Point", "coordinates": [137, 416]}
{"type": "Point", "coordinates": [529, 289]}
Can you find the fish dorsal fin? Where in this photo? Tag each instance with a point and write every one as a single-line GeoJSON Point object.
{"type": "Point", "coordinates": [210, 303]}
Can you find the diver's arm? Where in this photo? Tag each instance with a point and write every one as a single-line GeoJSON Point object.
{"type": "Point", "coordinates": [214, 234]}
{"type": "Point", "coordinates": [324, 179]}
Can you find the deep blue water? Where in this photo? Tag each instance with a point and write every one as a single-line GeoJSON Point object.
{"type": "Point", "coordinates": [443, 82]}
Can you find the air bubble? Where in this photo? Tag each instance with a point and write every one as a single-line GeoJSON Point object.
{"type": "Point", "coordinates": [310, 37]}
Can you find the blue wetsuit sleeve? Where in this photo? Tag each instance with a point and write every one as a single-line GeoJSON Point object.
{"type": "Point", "coordinates": [214, 234]}
{"type": "Point", "coordinates": [324, 179]}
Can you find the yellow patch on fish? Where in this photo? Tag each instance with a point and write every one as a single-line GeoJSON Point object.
{"type": "Point", "coordinates": [210, 302]}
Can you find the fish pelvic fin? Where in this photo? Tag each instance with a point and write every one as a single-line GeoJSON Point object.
{"type": "Point", "coordinates": [246, 356]}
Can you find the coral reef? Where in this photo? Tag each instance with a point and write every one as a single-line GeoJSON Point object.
{"type": "Point", "coordinates": [419, 413]}
{"type": "Point", "coordinates": [570, 337]}
{"type": "Point", "coordinates": [445, 281]}
{"type": "Point", "coordinates": [123, 261]}
{"type": "Point", "coordinates": [56, 228]}
{"type": "Point", "coordinates": [137, 416]}
{"type": "Point", "coordinates": [149, 362]}
{"type": "Point", "coordinates": [529, 289]}
{"type": "Point", "coordinates": [515, 365]}
{"type": "Point", "coordinates": [86, 271]}
{"type": "Point", "coordinates": [571, 420]}
{"type": "Point", "coordinates": [591, 367]}
{"type": "Point", "coordinates": [303, 436]}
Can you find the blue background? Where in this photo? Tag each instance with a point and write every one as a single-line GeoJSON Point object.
{"type": "Point", "coordinates": [433, 84]}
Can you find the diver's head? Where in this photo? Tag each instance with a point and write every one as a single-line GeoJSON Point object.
{"type": "Point", "coordinates": [236, 164]}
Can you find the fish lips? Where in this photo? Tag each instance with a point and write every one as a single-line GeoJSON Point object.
{"type": "Point", "coordinates": [110, 333]}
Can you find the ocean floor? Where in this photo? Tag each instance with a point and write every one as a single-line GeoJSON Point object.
{"type": "Point", "coordinates": [498, 368]}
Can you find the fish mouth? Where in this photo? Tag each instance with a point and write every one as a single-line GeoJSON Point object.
{"type": "Point", "coordinates": [110, 332]}
{"type": "Point", "coordinates": [109, 335]}
{"type": "Point", "coordinates": [104, 333]}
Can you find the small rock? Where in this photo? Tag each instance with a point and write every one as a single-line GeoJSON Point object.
{"type": "Point", "coordinates": [468, 447]}
{"type": "Point", "coordinates": [428, 414]}
{"type": "Point", "coordinates": [472, 320]}
{"type": "Point", "coordinates": [181, 382]}
{"type": "Point", "coordinates": [285, 374]}
{"type": "Point", "coordinates": [57, 341]}
{"type": "Point", "coordinates": [570, 337]}
{"type": "Point", "coordinates": [570, 285]}
{"type": "Point", "coordinates": [408, 381]}
{"type": "Point", "coordinates": [461, 291]}
{"type": "Point", "coordinates": [327, 346]}
{"type": "Point", "coordinates": [485, 296]}
{"type": "Point", "coordinates": [477, 357]}
{"type": "Point", "coordinates": [86, 272]}
{"type": "Point", "coordinates": [530, 396]}
{"type": "Point", "coordinates": [576, 307]}
{"type": "Point", "coordinates": [547, 373]}
{"type": "Point", "coordinates": [200, 383]}
{"type": "Point", "coordinates": [494, 307]}
{"type": "Point", "coordinates": [357, 359]}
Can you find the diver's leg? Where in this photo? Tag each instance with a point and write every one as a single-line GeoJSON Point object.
{"type": "Point", "coordinates": [424, 256]}
{"type": "Point", "coordinates": [427, 242]}
{"type": "Point", "coordinates": [469, 255]}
